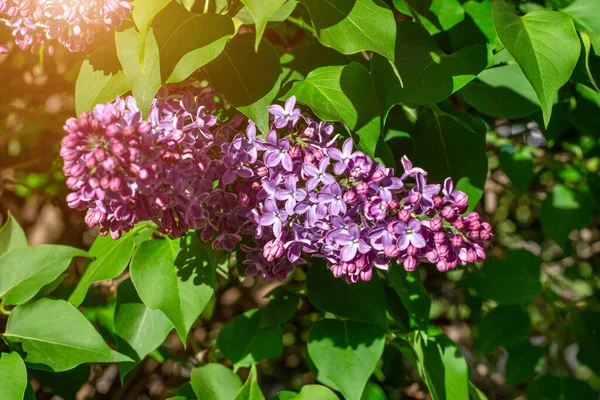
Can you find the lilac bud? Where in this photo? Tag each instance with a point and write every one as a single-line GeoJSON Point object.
{"type": "Point", "coordinates": [441, 265]}
{"type": "Point", "coordinates": [435, 224]}
{"type": "Point", "coordinates": [72, 125]}
{"type": "Point", "coordinates": [458, 223]}
{"type": "Point", "coordinates": [410, 263]}
{"type": "Point", "coordinates": [447, 213]}
{"type": "Point", "coordinates": [144, 127]}
{"type": "Point", "coordinates": [457, 241]}
{"type": "Point", "coordinates": [366, 275]}
{"type": "Point", "coordinates": [115, 184]}
{"type": "Point", "coordinates": [442, 250]}
{"type": "Point", "coordinates": [404, 215]}
{"type": "Point", "coordinates": [361, 262]}
{"type": "Point", "coordinates": [309, 158]}
{"type": "Point", "coordinates": [243, 199]}
{"type": "Point", "coordinates": [128, 131]}
{"type": "Point", "coordinates": [461, 200]}
{"type": "Point", "coordinates": [394, 205]}
{"type": "Point", "coordinates": [90, 162]}
{"type": "Point", "coordinates": [73, 200]}
{"type": "Point", "coordinates": [350, 197]}
{"type": "Point", "coordinates": [262, 171]}
{"type": "Point", "coordinates": [485, 235]}
{"type": "Point", "coordinates": [362, 188]}
{"type": "Point", "coordinates": [319, 155]}
{"type": "Point", "coordinates": [377, 176]}
{"type": "Point", "coordinates": [414, 198]}
{"type": "Point", "coordinates": [474, 235]}
{"type": "Point", "coordinates": [474, 225]}
{"type": "Point", "coordinates": [112, 130]}
{"type": "Point", "coordinates": [411, 250]}
{"type": "Point", "coordinates": [100, 154]}
{"type": "Point", "coordinates": [273, 249]}
{"type": "Point", "coordinates": [431, 256]}
{"type": "Point", "coordinates": [439, 238]}
{"type": "Point", "coordinates": [295, 152]}
{"type": "Point", "coordinates": [437, 201]}
{"type": "Point", "coordinates": [391, 251]}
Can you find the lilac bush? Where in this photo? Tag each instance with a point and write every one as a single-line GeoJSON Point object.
{"type": "Point", "coordinates": [73, 23]}
{"type": "Point", "coordinates": [294, 192]}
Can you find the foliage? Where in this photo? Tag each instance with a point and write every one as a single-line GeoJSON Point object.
{"type": "Point", "coordinates": [500, 96]}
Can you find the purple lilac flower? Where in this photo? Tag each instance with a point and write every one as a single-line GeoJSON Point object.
{"type": "Point", "coordinates": [291, 195]}
{"type": "Point", "coordinates": [317, 174]}
{"type": "Point", "coordinates": [185, 169]}
{"type": "Point", "coordinates": [286, 116]}
{"type": "Point", "coordinates": [72, 23]}
{"type": "Point", "coordinates": [408, 234]}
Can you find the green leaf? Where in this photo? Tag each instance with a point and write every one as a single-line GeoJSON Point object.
{"type": "Point", "coordinates": [244, 342]}
{"type": "Point", "coordinates": [100, 79]}
{"type": "Point", "coordinates": [422, 72]}
{"type": "Point", "coordinates": [110, 260]}
{"type": "Point", "coordinates": [249, 80]}
{"type": "Point", "coordinates": [345, 94]}
{"type": "Point", "coordinates": [502, 91]}
{"type": "Point", "coordinates": [503, 326]}
{"type": "Point", "coordinates": [64, 384]}
{"type": "Point", "coordinates": [559, 388]}
{"type": "Point", "coordinates": [175, 277]}
{"type": "Point", "coordinates": [481, 13]}
{"type": "Point", "coordinates": [476, 393]}
{"type": "Point", "coordinates": [278, 16]}
{"type": "Point", "coordinates": [250, 390]}
{"type": "Point", "coordinates": [523, 362]}
{"type": "Point", "coordinates": [262, 11]}
{"type": "Point", "coordinates": [585, 39]}
{"type": "Point", "coordinates": [285, 395]}
{"type": "Point", "coordinates": [145, 81]}
{"type": "Point", "coordinates": [517, 165]}
{"type": "Point", "coordinates": [360, 301]}
{"type": "Point", "coordinates": [315, 392]}
{"type": "Point", "coordinates": [143, 14]}
{"type": "Point", "coordinates": [441, 365]}
{"type": "Point", "coordinates": [564, 211]}
{"type": "Point", "coordinates": [586, 327]}
{"type": "Point", "coordinates": [55, 334]}
{"type": "Point", "coordinates": [281, 308]}
{"type": "Point", "coordinates": [301, 60]}
{"type": "Point", "coordinates": [512, 280]}
{"type": "Point", "coordinates": [11, 235]}
{"type": "Point", "coordinates": [353, 26]}
{"type": "Point", "coordinates": [187, 41]}
{"type": "Point", "coordinates": [345, 353]}
{"type": "Point", "coordinates": [544, 44]}
{"type": "Point", "coordinates": [14, 376]}
{"type": "Point", "coordinates": [25, 270]}
{"type": "Point", "coordinates": [435, 15]}
{"type": "Point", "coordinates": [373, 392]}
{"type": "Point", "coordinates": [452, 145]}
{"type": "Point", "coordinates": [140, 330]}
{"type": "Point", "coordinates": [585, 14]}
{"type": "Point", "coordinates": [410, 289]}
{"type": "Point", "coordinates": [215, 382]}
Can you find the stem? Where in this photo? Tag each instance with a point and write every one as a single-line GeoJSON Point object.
{"type": "Point", "coordinates": [300, 23]}
{"type": "Point", "coordinates": [3, 310]}
{"type": "Point", "coordinates": [206, 6]}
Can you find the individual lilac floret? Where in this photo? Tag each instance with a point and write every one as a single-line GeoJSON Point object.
{"type": "Point", "coordinates": [286, 116]}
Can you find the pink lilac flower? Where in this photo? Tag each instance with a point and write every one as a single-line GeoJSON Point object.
{"type": "Point", "coordinates": [185, 169]}
{"type": "Point", "coordinates": [73, 23]}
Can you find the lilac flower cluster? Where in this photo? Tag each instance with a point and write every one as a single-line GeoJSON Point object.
{"type": "Point", "coordinates": [73, 23]}
{"type": "Point", "coordinates": [342, 205]}
{"type": "Point", "coordinates": [123, 169]}
{"type": "Point", "coordinates": [291, 193]}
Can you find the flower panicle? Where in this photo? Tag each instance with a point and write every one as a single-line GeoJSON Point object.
{"type": "Point", "coordinates": [72, 23]}
{"type": "Point", "coordinates": [291, 193]}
